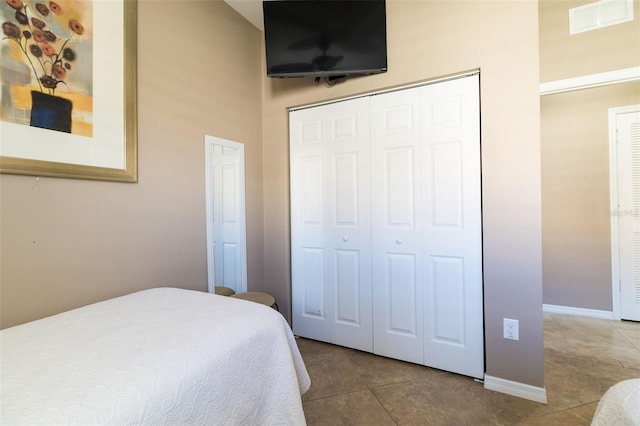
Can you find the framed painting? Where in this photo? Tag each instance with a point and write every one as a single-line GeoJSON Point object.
{"type": "Point", "coordinates": [67, 109]}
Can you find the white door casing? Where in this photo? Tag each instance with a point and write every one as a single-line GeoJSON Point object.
{"type": "Point", "coordinates": [226, 225]}
{"type": "Point", "coordinates": [624, 124]}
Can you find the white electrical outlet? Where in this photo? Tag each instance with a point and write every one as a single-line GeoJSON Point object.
{"type": "Point", "coordinates": [511, 329]}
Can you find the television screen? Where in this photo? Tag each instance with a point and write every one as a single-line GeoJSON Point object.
{"type": "Point", "coordinates": [325, 37]}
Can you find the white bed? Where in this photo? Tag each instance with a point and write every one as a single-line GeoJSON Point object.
{"type": "Point", "coordinates": [620, 405]}
{"type": "Point", "coordinates": [160, 356]}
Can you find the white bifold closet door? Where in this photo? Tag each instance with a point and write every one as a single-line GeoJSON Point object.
{"type": "Point", "coordinates": [331, 224]}
{"type": "Point", "coordinates": [385, 207]}
{"type": "Point", "coordinates": [397, 223]}
{"type": "Point", "coordinates": [427, 226]}
{"type": "Point", "coordinates": [452, 226]}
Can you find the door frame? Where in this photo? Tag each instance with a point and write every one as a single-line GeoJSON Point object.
{"type": "Point", "coordinates": [209, 142]}
{"type": "Point", "coordinates": [613, 204]}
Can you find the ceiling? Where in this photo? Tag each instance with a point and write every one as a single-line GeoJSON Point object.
{"type": "Point", "coordinates": [250, 9]}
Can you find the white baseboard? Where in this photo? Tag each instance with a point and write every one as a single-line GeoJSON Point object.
{"type": "Point", "coordinates": [593, 313]}
{"type": "Point", "coordinates": [518, 389]}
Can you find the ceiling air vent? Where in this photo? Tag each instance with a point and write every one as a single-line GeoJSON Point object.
{"type": "Point", "coordinates": [600, 14]}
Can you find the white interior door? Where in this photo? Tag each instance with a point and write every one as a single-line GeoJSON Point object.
{"type": "Point", "coordinates": [452, 226]}
{"type": "Point", "coordinates": [627, 213]}
{"type": "Point", "coordinates": [396, 222]}
{"type": "Point", "coordinates": [330, 223]}
{"type": "Point", "coordinates": [226, 246]}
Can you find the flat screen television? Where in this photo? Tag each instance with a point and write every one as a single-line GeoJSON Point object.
{"type": "Point", "coordinates": [325, 38]}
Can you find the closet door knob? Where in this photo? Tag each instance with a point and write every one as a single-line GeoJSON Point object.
{"type": "Point", "coordinates": [345, 238]}
{"type": "Point", "coordinates": [398, 241]}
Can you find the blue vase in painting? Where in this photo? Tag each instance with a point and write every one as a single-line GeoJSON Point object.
{"type": "Point", "coordinates": [50, 112]}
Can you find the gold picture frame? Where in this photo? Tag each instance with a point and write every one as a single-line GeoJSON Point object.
{"type": "Point", "coordinates": [129, 144]}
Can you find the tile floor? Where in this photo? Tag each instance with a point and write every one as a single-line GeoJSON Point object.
{"type": "Point", "coordinates": [583, 358]}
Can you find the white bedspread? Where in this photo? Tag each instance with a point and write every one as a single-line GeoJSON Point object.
{"type": "Point", "coordinates": [161, 356]}
{"type": "Point", "coordinates": [620, 405]}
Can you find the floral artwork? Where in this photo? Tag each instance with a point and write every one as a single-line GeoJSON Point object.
{"type": "Point", "coordinates": [46, 64]}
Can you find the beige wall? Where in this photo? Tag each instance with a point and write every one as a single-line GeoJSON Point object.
{"type": "Point", "coordinates": [429, 39]}
{"type": "Point", "coordinates": [565, 56]}
{"type": "Point", "coordinates": [66, 243]}
{"type": "Point", "coordinates": [576, 242]}
{"type": "Point", "coordinates": [576, 233]}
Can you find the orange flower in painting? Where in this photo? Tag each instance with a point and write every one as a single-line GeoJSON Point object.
{"type": "Point", "coordinates": [53, 6]}
{"type": "Point", "coordinates": [48, 50]}
{"type": "Point", "coordinates": [38, 35]}
{"type": "Point", "coordinates": [76, 26]}
{"type": "Point", "coordinates": [16, 4]}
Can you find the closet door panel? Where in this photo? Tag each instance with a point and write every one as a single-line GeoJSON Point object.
{"type": "Point", "coordinates": [330, 214]}
{"type": "Point", "coordinates": [447, 278]}
{"type": "Point", "coordinates": [398, 172]}
{"type": "Point", "coordinates": [347, 287]}
{"type": "Point", "coordinates": [346, 190]}
{"type": "Point", "coordinates": [452, 233]}
{"type": "Point", "coordinates": [311, 251]}
{"type": "Point", "coordinates": [312, 283]}
{"type": "Point", "coordinates": [309, 265]}
{"type": "Point", "coordinates": [349, 216]}
{"type": "Point", "coordinates": [310, 196]}
{"type": "Point", "coordinates": [396, 204]}
{"type": "Point", "coordinates": [446, 177]}
{"type": "Point", "coordinates": [402, 286]}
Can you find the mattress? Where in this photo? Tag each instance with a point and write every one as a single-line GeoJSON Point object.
{"type": "Point", "coordinates": [620, 405]}
{"type": "Point", "coordinates": [160, 356]}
